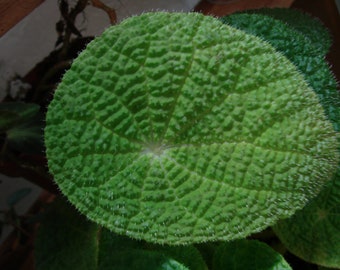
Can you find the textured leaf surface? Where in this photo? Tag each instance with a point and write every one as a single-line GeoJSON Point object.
{"type": "Point", "coordinates": [314, 232]}
{"type": "Point", "coordinates": [67, 240]}
{"type": "Point", "coordinates": [309, 26]}
{"type": "Point", "coordinates": [248, 254]}
{"type": "Point", "coordinates": [175, 128]}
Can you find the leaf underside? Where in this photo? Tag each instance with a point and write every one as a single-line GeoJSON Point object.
{"type": "Point", "coordinates": [312, 233]}
{"type": "Point", "coordinates": [174, 128]}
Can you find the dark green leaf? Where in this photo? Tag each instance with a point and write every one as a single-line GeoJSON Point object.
{"type": "Point", "coordinates": [311, 27]}
{"type": "Point", "coordinates": [7, 120]}
{"type": "Point", "coordinates": [67, 240]}
{"type": "Point", "coordinates": [24, 111]}
{"type": "Point", "coordinates": [27, 137]}
{"type": "Point", "coordinates": [248, 254]}
{"type": "Point", "coordinates": [23, 125]}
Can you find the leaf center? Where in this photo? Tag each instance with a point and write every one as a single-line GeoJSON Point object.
{"type": "Point", "coordinates": [155, 148]}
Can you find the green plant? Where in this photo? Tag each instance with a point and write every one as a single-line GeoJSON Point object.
{"type": "Point", "coordinates": [176, 129]}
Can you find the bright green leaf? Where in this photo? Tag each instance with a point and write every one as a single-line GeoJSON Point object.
{"type": "Point", "coordinates": [175, 128]}
{"type": "Point", "coordinates": [248, 254]}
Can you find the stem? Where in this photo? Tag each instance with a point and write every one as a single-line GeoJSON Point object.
{"type": "Point", "coordinates": [110, 11]}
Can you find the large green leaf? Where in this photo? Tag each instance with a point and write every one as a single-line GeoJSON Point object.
{"type": "Point", "coordinates": [175, 128]}
{"type": "Point", "coordinates": [314, 232]}
{"type": "Point", "coordinates": [67, 240]}
{"type": "Point", "coordinates": [248, 254]}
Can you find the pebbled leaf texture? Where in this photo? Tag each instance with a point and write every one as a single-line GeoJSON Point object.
{"type": "Point", "coordinates": [175, 128]}
{"type": "Point", "coordinates": [310, 27]}
{"type": "Point", "coordinates": [248, 254]}
{"type": "Point", "coordinates": [312, 233]}
{"type": "Point", "coordinates": [67, 240]}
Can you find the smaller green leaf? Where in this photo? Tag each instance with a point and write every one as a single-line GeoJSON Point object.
{"type": "Point", "coordinates": [17, 196]}
{"type": "Point", "coordinates": [23, 125]}
{"type": "Point", "coordinates": [248, 254]}
{"type": "Point", "coordinates": [27, 137]}
{"type": "Point", "coordinates": [22, 111]}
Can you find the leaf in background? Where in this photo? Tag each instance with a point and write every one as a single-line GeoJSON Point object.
{"type": "Point", "coordinates": [15, 113]}
{"type": "Point", "coordinates": [23, 111]}
{"type": "Point", "coordinates": [27, 137]}
{"type": "Point", "coordinates": [23, 125]}
{"type": "Point", "coordinates": [7, 119]}
{"type": "Point", "coordinates": [186, 255]}
{"type": "Point", "coordinates": [17, 196]}
{"type": "Point", "coordinates": [174, 128]}
{"type": "Point", "coordinates": [307, 25]}
{"type": "Point", "coordinates": [67, 240]}
{"type": "Point", "coordinates": [313, 233]}
{"type": "Point", "coordinates": [248, 254]}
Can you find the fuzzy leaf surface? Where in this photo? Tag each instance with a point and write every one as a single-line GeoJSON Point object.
{"type": "Point", "coordinates": [175, 128]}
